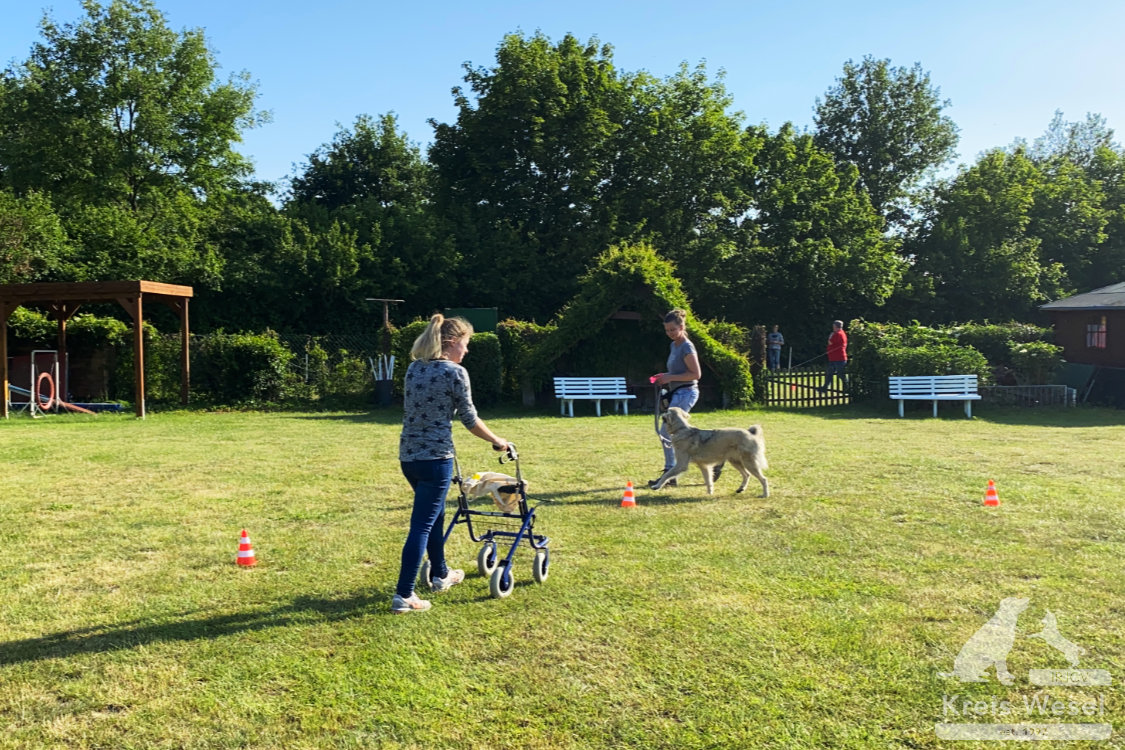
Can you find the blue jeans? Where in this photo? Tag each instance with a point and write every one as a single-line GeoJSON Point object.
{"type": "Point", "coordinates": [430, 481]}
{"type": "Point", "coordinates": [773, 359]}
{"type": "Point", "coordinates": [684, 398]}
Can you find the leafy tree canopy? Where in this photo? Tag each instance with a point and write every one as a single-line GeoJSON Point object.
{"type": "Point", "coordinates": [887, 121]}
{"type": "Point", "coordinates": [121, 121]}
{"type": "Point", "coordinates": [118, 106]}
{"type": "Point", "coordinates": [975, 258]}
{"type": "Point", "coordinates": [811, 246]}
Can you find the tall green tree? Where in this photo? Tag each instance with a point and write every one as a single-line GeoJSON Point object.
{"type": "Point", "coordinates": [679, 176]}
{"type": "Point", "coordinates": [974, 256]}
{"type": "Point", "coordinates": [810, 249]}
{"type": "Point", "coordinates": [1076, 142]}
{"type": "Point", "coordinates": [522, 172]}
{"type": "Point", "coordinates": [371, 180]}
{"type": "Point", "coordinates": [33, 244]}
{"type": "Point", "coordinates": [556, 155]}
{"type": "Point", "coordinates": [121, 121]}
{"type": "Point", "coordinates": [888, 122]}
{"type": "Point", "coordinates": [1106, 264]}
{"type": "Point", "coordinates": [1079, 208]}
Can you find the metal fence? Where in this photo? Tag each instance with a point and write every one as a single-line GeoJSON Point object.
{"type": "Point", "coordinates": [1029, 395]}
{"type": "Point", "coordinates": [802, 388]}
{"type": "Point", "coordinates": [337, 347]}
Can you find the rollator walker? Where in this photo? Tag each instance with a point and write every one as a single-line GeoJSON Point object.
{"type": "Point", "coordinates": [499, 527]}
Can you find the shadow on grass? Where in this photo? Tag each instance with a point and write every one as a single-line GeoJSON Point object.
{"type": "Point", "coordinates": [106, 638]}
{"type": "Point", "coordinates": [380, 416]}
{"type": "Point", "coordinates": [1051, 416]}
{"type": "Point", "coordinates": [393, 415]}
{"type": "Point", "coordinates": [612, 496]}
{"type": "Point", "coordinates": [953, 411]}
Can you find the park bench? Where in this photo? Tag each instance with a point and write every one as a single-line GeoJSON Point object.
{"type": "Point", "coordinates": [935, 388]}
{"type": "Point", "coordinates": [569, 390]}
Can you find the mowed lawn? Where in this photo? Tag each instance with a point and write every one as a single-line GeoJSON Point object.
{"type": "Point", "coordinates": [818, 617]}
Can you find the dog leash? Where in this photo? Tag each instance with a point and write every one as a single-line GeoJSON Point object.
{"type": "Point", "coordinates": [802, 364]}
{"type": "Point", "coordinates": [657, 395]}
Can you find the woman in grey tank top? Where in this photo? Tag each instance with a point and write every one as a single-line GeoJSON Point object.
{"type": "Point", "coordinates": [682, 378]}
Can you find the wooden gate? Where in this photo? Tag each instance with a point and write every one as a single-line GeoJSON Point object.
{"type": "Point", "coordinates": [801, 387]}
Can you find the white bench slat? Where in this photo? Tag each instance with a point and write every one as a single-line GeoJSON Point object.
{"type": "Point", "coordinates": [934, 388]}
{"type": "Point", "coordinates": [591, 389]}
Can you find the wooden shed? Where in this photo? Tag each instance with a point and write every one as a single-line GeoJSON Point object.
{"type": "Point", "coordinates": [1090, 327]}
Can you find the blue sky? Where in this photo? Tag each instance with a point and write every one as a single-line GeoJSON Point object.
{"type": "Point", "coordinates": [1005, 66]}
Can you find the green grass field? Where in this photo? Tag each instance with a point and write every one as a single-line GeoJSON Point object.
{"type": "Point", "coordinates": [819, 617]}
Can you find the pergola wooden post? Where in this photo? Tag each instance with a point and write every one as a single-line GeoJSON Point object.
{"type": "Point", "coordinates": [64, 299]}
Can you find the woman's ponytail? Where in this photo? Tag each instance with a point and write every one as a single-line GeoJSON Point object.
{"type": "Point", "coordinates": [427, 346]}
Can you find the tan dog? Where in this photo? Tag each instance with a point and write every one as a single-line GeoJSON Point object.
{"type": "Point", "coordinates": [745, 450]}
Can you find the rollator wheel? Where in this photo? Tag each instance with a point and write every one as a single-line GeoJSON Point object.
{"type": "Point", "coordinates": [486, 559]}
{"type": "Point", "coordinates": [501, 583]}
{"type": "Point", "coordinates": [542, 560]}
{"type": "Point", "coordinates": [424, 575]}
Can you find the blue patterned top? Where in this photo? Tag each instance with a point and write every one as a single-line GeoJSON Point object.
{"type": "Point", "coordinates": [435, 391]}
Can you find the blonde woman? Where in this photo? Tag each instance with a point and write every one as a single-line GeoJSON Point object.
{"type": "Point", "coordinates": [436, 388]}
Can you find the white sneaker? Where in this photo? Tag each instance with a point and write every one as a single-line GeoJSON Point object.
{"type": "Point", "coordinates": [452, 578]}
{"type": "Point", "coordinates": [402, 606]}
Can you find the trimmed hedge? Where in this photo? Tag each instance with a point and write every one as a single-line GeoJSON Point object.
{"type": "Point", "coordinates": [995, 340]}
{"type": "Point", "coordinates": [1034, 362]}
{"type": "Point", "coordinates": [241, 368]}
{"type": "Point", "coordinates": [878, 350]}
{"type": "Point", "coordinates": [483, 361]}
{"type": "Point", "coordinates": [518, 340]}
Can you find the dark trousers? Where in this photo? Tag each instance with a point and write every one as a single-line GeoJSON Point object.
{"type": "Point", "coordinates": [430, 481]}
{"type": "Point", "coordinates": [835, 369]}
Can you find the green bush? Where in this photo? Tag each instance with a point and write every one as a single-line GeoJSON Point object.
{"type": "Point", "coordinates": [995, 340]}
{"type": "Point", "coordinates": [518, 340]}
{"type": "Point", "coordinates": [241, 368]}
{"type": "Point", "coordinates": [1035, 362]}
{"type": "Point", "coordinates": [89, 333]}
{"type": "Point", "coordinates": [485, 368]}
{"type": "Point", "coordinates": [731, 335]}
{"type": "Point", "coordinates": [637, 279]}
{"type": "Point", "coordinates": [349, 376]}
{"type": "Point", "coordinates": [878, 350]}
{"type": "Point", "coordinates": [30, 329]}
{"type": "Point", "coordinates": [342, 376]}
{"type": "Point", "coordinates": [934, 359]}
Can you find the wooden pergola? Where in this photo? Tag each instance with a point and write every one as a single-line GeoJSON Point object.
{"type": "Point", "coordinates": [63, 300]}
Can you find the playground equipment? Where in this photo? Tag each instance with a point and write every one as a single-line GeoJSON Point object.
{"type": "Point", "coordinates": [63, 299]}
{"type": "Point", "coordinates": [49, 377]}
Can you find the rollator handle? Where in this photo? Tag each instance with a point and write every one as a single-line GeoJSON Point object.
{"type": "Point", "coordinates": [510, 453]}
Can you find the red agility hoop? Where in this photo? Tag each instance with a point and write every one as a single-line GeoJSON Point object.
{"type": "Point", "coordinates": [39, 393]}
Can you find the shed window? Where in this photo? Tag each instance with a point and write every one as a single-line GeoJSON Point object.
{"type": "Point", "coordinates": [1095, 334]}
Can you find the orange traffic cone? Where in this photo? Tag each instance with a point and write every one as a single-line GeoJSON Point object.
{"type": "Point", "coordinates": [628, 500]}
{"type": "Point", "coordinates": [245, 551]}
{"type": "Point", "coordinates": [991, 496]}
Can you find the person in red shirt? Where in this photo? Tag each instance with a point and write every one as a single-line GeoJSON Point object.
{"type": "Point", "coordinates": [837, 356]}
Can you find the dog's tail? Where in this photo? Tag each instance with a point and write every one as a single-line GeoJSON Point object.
{"type": "Point", "coordinates": [756, 431]}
